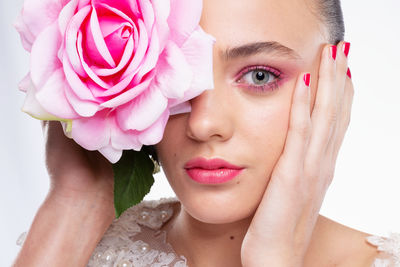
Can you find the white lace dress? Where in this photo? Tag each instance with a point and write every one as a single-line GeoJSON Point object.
{"type": "Point", "coordinates": [135, 240]}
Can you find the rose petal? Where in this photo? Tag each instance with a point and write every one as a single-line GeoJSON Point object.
{"type": "Point", "coordinates": [91, 53]}
{"type": "Point", "coordinates": [119, 12]}
{"type": "Point", "coordinates": [95, 89]}
{"type": "Point", "coordinates": [198, 53]}
{"type": "Point", "coordinates": [143, 111]}
{"type": "Point", "coordinates": [128, 95]}
{"type": "Point", "coordinates": [140, 52]}
{"type": "Point", "coordinates": [151, 57]}
{"type": "Point", "coordinates": [83, 107]}
{"type": "Point", "coordinates": [99, 40]}
{"type": "Point", "coordinates": [44, 60]}
{"type": "Point", "coordinates": [79, 87]}
{"type": "Point", "coordinates": [147, 13]}
{"type": "Point", "coordinates": [119, 87]}
{"type": "Point", "coordinates": [27, 38]}
{"type": "Point", "coordinates": [109, 23]}
{"type": "Point", "coordinates": [83, 3]}
{"type": "Point", "coordinates": [111, 154]}
{"type": "Point", "coordinates": [162, 10]}
{"type": "Point", "coordinates": [155, 132]}
{"type": "Point", "coordinates": [25, 83]}
{"type": "Point", "coordinates": [52, 98]}
{"type": "Point", "coordinates": [32, 106]}
{"type": "Point", "coordinates": [66, 14]}
{"type": "Point", "coordinates": [184, 107]}
{"type": "Point", "coordinates": [184, 18]}
{"type": "Point", "coordinates": [174, 74]}
{"type": "Point", "coordinates": [92, 133]}
{"type": "Point", "coordinates": [127, 54]}
{"type": "Point", "coordinates": [124, 140]}
{"type": "Point", "coordinates": [67, 126]}
{"type": "Point", "coordinates": [36, 21]}
{"type": "Point", "coordinates": [86, 66]}
{"type": "Point", "coordinates": [71, 39]}
{"type": "Point", "coordinates": [117, 41]}
{"type": "Point", "coordinates": [129, 8]}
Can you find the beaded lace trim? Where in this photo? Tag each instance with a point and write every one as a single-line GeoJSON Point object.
{"type": "Point", "coordinates": [390, 248]}
{"type": "Point", "coordinates": [135, 240]}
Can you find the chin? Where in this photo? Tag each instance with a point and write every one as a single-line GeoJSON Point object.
{"type": "Point", "coordinates": [217, 209]}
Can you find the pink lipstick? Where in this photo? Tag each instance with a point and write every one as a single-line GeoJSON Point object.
{"type": "Point", "coordinates": [213, 171]}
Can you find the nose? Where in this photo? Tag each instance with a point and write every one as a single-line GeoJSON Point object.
{"type": "Point", "coordinates": [211, 117]}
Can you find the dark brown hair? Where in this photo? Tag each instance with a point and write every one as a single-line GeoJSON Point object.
{"type": "Point", "coordinates": [331, 14]}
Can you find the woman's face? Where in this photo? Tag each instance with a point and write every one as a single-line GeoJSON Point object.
{"type": "Point", "coordinates": [244, 119]}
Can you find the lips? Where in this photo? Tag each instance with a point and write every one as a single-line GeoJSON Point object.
{"type": "Point", "coordinates": [212, 164]}
{"type": "Point", "coordinates": [214, 171]}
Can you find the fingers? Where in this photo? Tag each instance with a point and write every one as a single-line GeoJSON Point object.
{"type": "Point", "coordinates": [324, 114]}
{"type": "Point", "coordinates": [344, 102]}
{"type": "Point", "coordinates": [299, 125]}
{"type": "Point", "coordinates": [329, 111]}
{"type": "Point", "coordinates": [345, 115]}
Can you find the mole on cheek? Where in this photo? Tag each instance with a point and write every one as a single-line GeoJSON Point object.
{"type": "Point", "coordinates": [238, 182]}
{"type": "Point", "coordinates": [232, 237]}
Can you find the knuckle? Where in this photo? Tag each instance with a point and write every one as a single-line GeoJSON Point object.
{"type": "Point", "coordinates": [288, 176]}
{"type": "Point", "coordinates": [312, 170]}
{"type": "Point", "coordinates": [302, 128]}
{"type": "Point", "coordinates": [313, 165]}
{"type": "Point", "coordinates": [347, 120]}
{"type": "Point", "coordinates": [332, 118]}
{"type": "Point", "coordinates": [331, 114]}
{"type": "Point", "coordinates": [289, 179]}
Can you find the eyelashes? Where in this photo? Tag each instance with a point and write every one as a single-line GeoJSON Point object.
{"type": "Point", "coordinates": [259, 78]}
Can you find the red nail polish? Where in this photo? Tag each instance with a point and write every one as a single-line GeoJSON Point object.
{"type": "Point", "coordinates": [346, 48]}
{"type": "Point", "coordinates": [333, 51]}
{"type": "Point", "coordinates": [307, 79]}
{"type": "Point", "coordinates": [348, 73]}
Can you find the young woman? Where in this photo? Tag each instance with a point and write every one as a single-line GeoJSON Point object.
{"type": "Point", "coordinates": [250, 164]}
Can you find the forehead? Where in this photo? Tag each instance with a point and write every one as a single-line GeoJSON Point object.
{"type": "Point", "coordinates": [236, 22]}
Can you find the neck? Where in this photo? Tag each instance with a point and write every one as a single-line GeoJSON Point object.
{"type": "Point", "coordinates": [205, 244]}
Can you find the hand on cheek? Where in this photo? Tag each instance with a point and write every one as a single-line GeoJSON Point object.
{"type": "Point", "coordinates": [281, 230]}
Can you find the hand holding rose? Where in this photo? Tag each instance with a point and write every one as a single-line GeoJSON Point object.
{"type": "Point", "coordinates": [75, 173]}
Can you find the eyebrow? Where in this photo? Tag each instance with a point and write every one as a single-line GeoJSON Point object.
{"type": "Point", "coordinates": [250, 49]}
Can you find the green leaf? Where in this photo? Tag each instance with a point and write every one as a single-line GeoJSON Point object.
{"type": "Point", "coordinates": [133, 178]}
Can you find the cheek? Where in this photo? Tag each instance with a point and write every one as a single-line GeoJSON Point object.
{"type": "Point", "coordinates": [262, 139]}
{"type": "Point", "coordinates": [167, 148]}
{"type": "Point", "coordinates": [274, 130]}
{"type": "Point", "coordinates": [267, 135]}
{"type": "Point", "coordinates": [266, 129]}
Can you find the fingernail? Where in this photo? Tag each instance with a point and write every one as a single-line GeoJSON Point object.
{"type": "Point", "coordinates": [346, 48]}
{"type": "Point", "coordinates": [307, 79]}
{"type": "Point", "coordinates": [348, 73]}
{"type": "Point", "coordinates": [333, 51]}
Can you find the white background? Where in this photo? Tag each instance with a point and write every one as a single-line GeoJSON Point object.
{"type": "Point", "coordinates": [365, 193]}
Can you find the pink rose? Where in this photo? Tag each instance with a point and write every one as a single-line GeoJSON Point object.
{"type": "Point", "coordinates": [114, 70]}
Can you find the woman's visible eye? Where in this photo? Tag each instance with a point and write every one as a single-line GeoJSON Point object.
{"type": "Point", "coordinates": [260, 78]}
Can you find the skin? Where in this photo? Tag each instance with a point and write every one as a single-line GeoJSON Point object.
{"type": "Point", "coordinates": [286, 139]}
{"type": "Point", "coordinates": [280, 137]}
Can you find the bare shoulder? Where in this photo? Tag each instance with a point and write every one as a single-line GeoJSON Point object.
{"type": "Point", "coordinates": [334, 244]}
